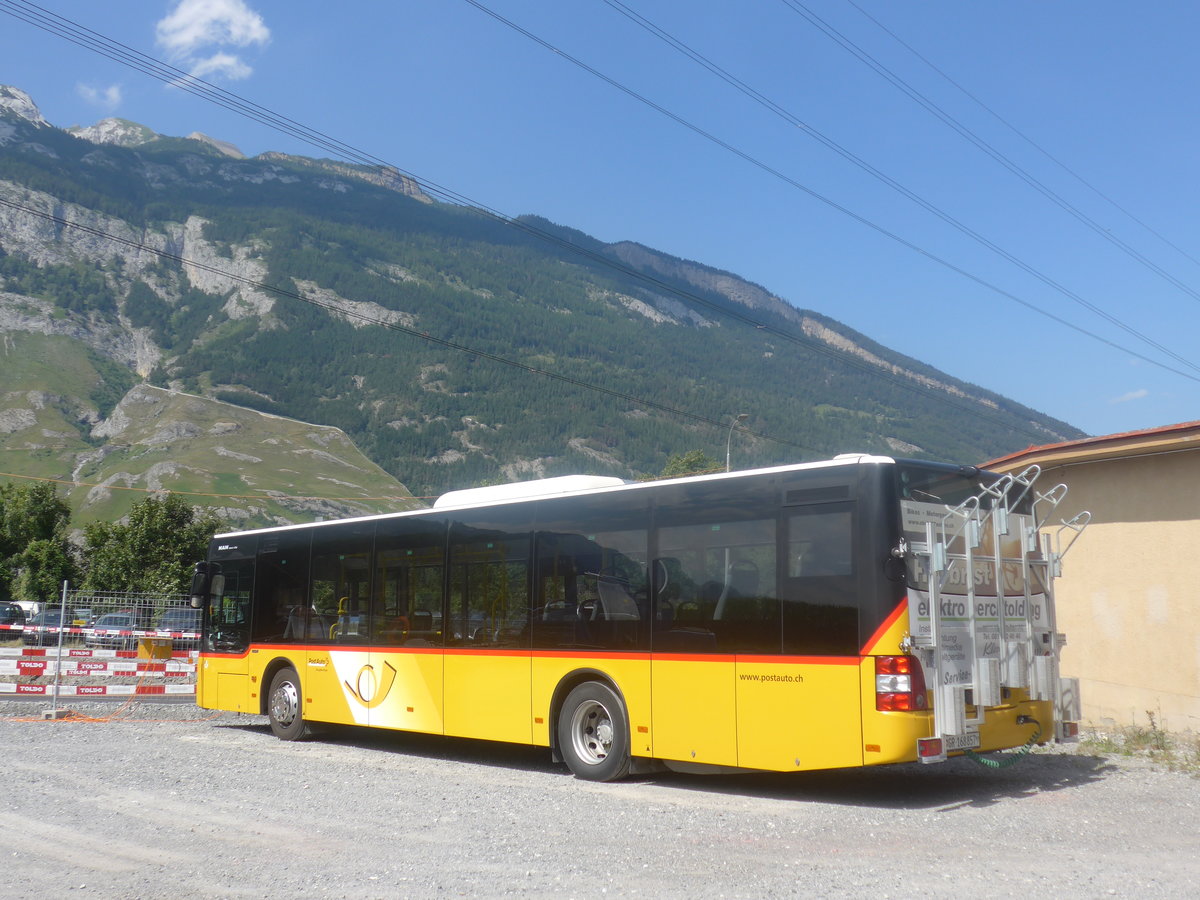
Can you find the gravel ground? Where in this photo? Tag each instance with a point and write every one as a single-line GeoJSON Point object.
{"type": "Point", "coordinates": [170, 801]}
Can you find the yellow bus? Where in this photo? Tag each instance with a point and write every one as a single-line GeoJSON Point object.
{"type": "Point", "coordinates": [858, 611]}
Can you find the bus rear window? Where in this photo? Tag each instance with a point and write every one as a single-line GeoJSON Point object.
{"type": "Point", "coordinates": [929, 495]}
{"type": "Point", "coordinates": [951, 485]}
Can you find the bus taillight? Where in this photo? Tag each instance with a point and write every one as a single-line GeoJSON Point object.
{"type": "Point", "coordinates": [930, 749]}
{"type": "Point", "coordinates": [899, 684]}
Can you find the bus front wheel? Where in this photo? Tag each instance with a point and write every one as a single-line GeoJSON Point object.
{"type": "Point", "coordinates": [284, 707]}
{"type": "Point", "coordinates": [593, 733]}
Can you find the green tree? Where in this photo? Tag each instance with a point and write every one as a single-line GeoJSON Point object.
{"type": "Point", "coordinates": [34, 555]}
{"type": "Point", "coordinates": [152, 552]}
{"type": "Point", "coordinates": [42, 568]}
{"type": "Point", "coordinates": [694, 462]}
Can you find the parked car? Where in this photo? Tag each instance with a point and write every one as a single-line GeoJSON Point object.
{"type": "Point", "coordinates": [182, 618]}
{"type": "Point", "coordinates": [42, 629]}
{"type": "Point", "coordinates": [11, 614]}
{"type": "Point", "coordinates": [120, 624]}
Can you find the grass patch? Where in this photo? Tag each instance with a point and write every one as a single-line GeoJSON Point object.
{"type": "Point", "coordinates": [230, 483]}
{"type": "Point", "coordinates": [1177, 752]}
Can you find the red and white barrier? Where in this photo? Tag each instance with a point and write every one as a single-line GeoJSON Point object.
{"type": "Point", "coordinates": [80, 662]}
{"type": "Point", "coordinates": [106, 632]}
{"type": "Point", "coordinates": [79, 653]}
{"type": "Point", "coordinates": [92, 690]}
{"type": "Point", "coordinates": [36, 668]}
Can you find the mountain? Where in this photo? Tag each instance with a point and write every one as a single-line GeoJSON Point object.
{"type": "Point", "coordinates": [119, 132]}
{"type": "Point", "coordinates": [344, 295]}
{"type": "Point", "coordinates": [17, 105]}
{"type": "Point", "coordinates": [64, 415]}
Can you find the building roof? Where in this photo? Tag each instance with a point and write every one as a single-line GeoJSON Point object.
{"type": "Point", "coordinates": [1165, 439]}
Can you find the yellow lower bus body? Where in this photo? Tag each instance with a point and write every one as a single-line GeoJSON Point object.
{"type": "Point", "coordinates": [773, 713]}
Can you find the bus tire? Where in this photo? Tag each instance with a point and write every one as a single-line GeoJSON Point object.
{"type": "Point", "coordinates": [593, 733]}
{"type": "Point", "coordinates": [285, 707]}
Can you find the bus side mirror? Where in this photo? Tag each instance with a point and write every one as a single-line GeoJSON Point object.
{"type": "Point", "coordinates": [205, 577]}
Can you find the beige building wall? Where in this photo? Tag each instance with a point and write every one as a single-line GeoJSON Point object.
{"type": "Point", "coordinates": [1129, 598]}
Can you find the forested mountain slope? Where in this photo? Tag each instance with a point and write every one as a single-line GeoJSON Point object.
{"type": "Point", "coordinates": [337, 294]}
{"type": "Point", "coordinates": [63, 417]}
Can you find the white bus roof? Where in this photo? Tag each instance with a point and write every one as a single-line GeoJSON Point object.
{"type": "Point", "coordinates": [519, 490]}
{"type": "Point", "coordinates": [568, 484]}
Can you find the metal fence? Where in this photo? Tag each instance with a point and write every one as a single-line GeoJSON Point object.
{"type": "Point", "coordinates": [93, 643]}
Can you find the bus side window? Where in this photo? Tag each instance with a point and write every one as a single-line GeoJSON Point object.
{"type": "Point", "coordinates": [715, 587]}
{"type": "Point", "coordinates": [489, 593]}
{"type": "Point", "coordinates": [820, 543]}
{"type": "Point", "coordinates": [281, 583]}
{"type": "Point", "coordinates": [409, 575]}
{"type": "Point", "coordinates": [389, 609]}
{"type": "Point", "coordinates": [590, 591]}
{"type": "Point", "coordinates": [406, 610]}
{"type": "Point", "coordinates": [820, 601]}
{"type": "Point", "coordinates": [341, 581]}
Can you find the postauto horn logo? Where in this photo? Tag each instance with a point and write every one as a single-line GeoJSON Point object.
{"type": "Point", "coordinates": [369, 690]}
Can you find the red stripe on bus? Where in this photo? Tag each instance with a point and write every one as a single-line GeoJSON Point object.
{"type": "Point", "coordinates": [803, 660]}
{"type": "Point", "coordinates": [543, 653]}
{"type": "Point", "coordinates": [482, 651]}
{"type": "Point", "coordinates": [392, 649]}
{"type": "Point", "coordinates": [637, 655]}
{"type": "Point", "coordinates": [901, 609]}
{"type": "Point", "coordinates": [693, 657]}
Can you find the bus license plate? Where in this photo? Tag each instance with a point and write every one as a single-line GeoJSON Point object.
{"type": "Point", "coordinates": [962, 741]}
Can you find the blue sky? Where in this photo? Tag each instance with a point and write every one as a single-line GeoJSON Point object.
{"type": "Point", "coordinates": [1104, 95]}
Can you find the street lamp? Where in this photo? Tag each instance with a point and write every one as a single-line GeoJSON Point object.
{"type": "Point", "coordinates": [737, 420]}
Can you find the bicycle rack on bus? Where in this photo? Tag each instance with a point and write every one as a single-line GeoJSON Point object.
{"type": "Point", "coordinates": [993, 632]}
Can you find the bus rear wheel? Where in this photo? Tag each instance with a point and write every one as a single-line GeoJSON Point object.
{"type": "Point", "coordinates": [593, 733]}
{"type": "Point", "coordinates": [284, 707]}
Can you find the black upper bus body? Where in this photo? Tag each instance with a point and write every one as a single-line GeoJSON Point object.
{"type": "Point", "coordinates": [790, 561]}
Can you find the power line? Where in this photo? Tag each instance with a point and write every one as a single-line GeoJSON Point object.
{"type": "Point", "coordinates": [844, 359]}
{"type": "Point", "coordinates": [1023, 136]}
{"type": "Point", "coordinates": [393, 326]}
{"type": "Point", "coordinates": [562, 54]}
{"type": "Point", "coordinates": [81, 36]}
{"type": "Point", "coordinates": [865, 166]}
{"type": "Point", "coordinates": [114, 50]}
{"type": "Point", "coordinates": [88, 39]}
{"type": "Point", "coordinates": [820, 24]}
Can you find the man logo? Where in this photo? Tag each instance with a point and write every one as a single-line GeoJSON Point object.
{"type": "Point", "coordinates": [368, 692]}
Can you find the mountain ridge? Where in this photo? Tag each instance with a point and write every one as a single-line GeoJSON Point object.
{"type": "Point", "coordinates": [251, 468]}
{"type": "Point", "coordinates": [170, 276]}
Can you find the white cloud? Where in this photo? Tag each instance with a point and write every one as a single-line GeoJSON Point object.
{"type": "Point", "coordinates": [106, 99]}
{"type": "Point", "coordinates": [1139, 394]}
{"type": "Point", "coordinates": [199, 33]}
{"type": "Point", "coordinates": [221, 64]}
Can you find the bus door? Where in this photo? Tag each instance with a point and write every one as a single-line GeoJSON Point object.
{"type": "Point", "coordinates": [694, 709]}
{"type": "Point", "coordinates": [403, 687]}
{"type": "Point", "coordinates": [280, 625]}
{"type": "Point", "coordinates": [487, 636]}
{"type": "Point", "coordinates": [802, 709]}
{"type": "Point", "coordinates": [223, 679]}
{"type": "Point", "coordinates": [337, 624]}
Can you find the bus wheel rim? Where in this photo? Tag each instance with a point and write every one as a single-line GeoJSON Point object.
{"type": "Point", "coordinates": [285, 703]}
{"type": "Point", "coordinates": [591, 732]}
